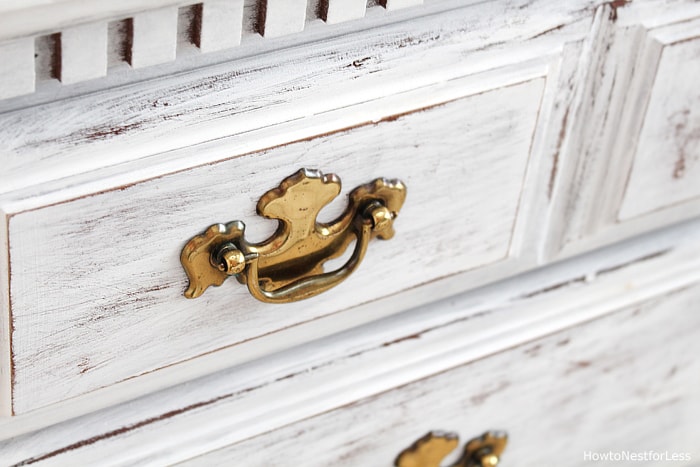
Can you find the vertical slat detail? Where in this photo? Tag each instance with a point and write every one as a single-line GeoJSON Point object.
{"type": "Point", "coordinates": [280, 17]}
{"type": "Point", "coordinates": [17, 70]}
{"type": "Point", "coordinates": [154, 37]}
{"type": "Point", "coordinates": [221, 25]}
{"type": "Point", "coordinates": [337, 11]}
{"type": "Point", "coordinates": [396, 4]}
{"type": "Point", "coordinates": [83, 52]}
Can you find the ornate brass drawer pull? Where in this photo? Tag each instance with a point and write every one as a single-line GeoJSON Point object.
{"type": "Point", "coordinates": [431, 449]}
{"type": "Point", "coordinates": [289, 265]}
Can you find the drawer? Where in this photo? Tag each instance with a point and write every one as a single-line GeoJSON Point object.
{"type": "Point", "coordinates": [96, 284]}
{"type": "Point", "coordinates": [626, 382]}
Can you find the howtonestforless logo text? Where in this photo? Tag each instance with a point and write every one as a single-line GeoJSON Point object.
{"type": "Point", "coordinates": [619, 456]}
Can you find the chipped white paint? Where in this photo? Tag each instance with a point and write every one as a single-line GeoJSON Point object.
{"type": "Point", "coordinates": [282, 17]}
{"type": "Point", "coordinates": [619, 131]}
{"type": "Point", "coordinates": [154, 38]}
{"type": "Point", "coordinates": [261, 91]}
{"type": "Point", "coordinates": [544, 120]}
{"type": "Point", "coordinates": [584, 390]}
{"type": "Point", "coordinates": [17, 70]}
{"type": "Point", "coordinates": [83, 53]}
{"type": "Point", "coordinates": [136, 296]}
{"type": "Point", "coordinates": [666, 167]}
{"type": "Point", "coordinates": [222, 24]}
{"type": "Point", "coordinates": [344, 10]}
{"type": "Point", "coordinates": [246, 402]}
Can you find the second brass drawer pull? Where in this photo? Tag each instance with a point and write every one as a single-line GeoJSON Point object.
{"type": "Point", "coordinates": [431, 449]}
{"type": "Point", "coordinates": [289, 265]}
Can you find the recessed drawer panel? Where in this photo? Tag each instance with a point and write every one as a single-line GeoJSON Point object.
{"type": "Point", "coordinates": [666, 166]}
{"type": "Point", "coordinates": [631, 157]}
{"type": "Point", "coordinates": [625, 383]}
{"type": "Point", "coordinates": [96, 282]}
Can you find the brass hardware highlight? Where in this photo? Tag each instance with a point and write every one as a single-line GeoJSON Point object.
{"type": "Point", "coordinates": [289, 265]}
{"type": "Point", "coordinates": [431, 450]}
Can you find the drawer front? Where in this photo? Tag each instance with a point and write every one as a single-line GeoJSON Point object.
{"type": "Point", "coordinates": [96, 283]}
{"type": "Point", "coordinates": [623, 383]}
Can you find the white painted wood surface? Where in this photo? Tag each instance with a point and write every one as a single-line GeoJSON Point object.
{"type": "Point", "coordinates": [338, 11]}
{"type": "Point", "coordinates": [608, 167]}
{"type": "Point", "coordinates": [627, 382]}
{"type": "Point", "coordinates": [224, 22]}
{"type": "Point", "coordinates": [233, 99]}
{"type": "Point", "coordinates": [396, 4]}
{"type": "Point", "coordinates": [666, 167]}
{"type": "Point", "coordinates": [154, 37]}
{"type": "Point", "coordinates": [83, 53]}
{"type": "Point", "coordinates": [282, 17]}
{"type": "Point", "coordinates": [23, 18]}
{"type": "Point", "coordinates": [74, 324]}
{"type": "Point", "coordinates": [222, 25]}
{"type": "Point", "coordinates": [17, 71]}
{"type": "Point", "coordinates": [574, 74]}
{"type": "Point", "coordinates": [245, 402]}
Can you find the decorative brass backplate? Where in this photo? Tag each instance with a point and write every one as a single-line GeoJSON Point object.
{"type": "Point", "coordinates": [431, 450]}
{"type": "Point", "coordinates": [289, 265]}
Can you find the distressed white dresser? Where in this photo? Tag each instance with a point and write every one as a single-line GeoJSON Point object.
{"type": "Point", "coordinates": [537, 162]}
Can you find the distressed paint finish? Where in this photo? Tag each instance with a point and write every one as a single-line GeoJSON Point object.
{"type": "Point", "coordinates": [232, 99]}
{"type": "Point", "coordinates": [619, 153]}
{"type": "Point", "coordinates": [666, 167]}
{"type": "Point", "coordinates": [635, 391]}
{"type": "Point", "coordinates": [475, 148]}
{"type": "Point", "coordinates": [139, 160]}
{"type": "Point", "coordinates": [657, 275]}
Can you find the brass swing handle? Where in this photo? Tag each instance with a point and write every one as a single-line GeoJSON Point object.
{"type": "Point", "coordinates": [431, 450]}
{"type": "Point", "coordinates": [289, 265]}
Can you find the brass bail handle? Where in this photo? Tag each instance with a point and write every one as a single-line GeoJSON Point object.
{"type": "Point", "coordinates": [433, 448]}
{"type": "Point", "coordinates": [288, 266]}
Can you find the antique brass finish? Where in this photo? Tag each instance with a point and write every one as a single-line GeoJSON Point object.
{"type": "Point", "coordinates": [289, 265]}
{"type": "Point", "coordinates": [431, 450]}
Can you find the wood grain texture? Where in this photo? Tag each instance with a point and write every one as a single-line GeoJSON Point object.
{"type": "Point", "coordinates": [599, 147]}
{"type": "Point", "coordinates": [83, 53]}
{"type": "Point", "coordinates": [236, 17]}
{"type": "Point", "coordinates": [136, 295]}
{"type": "Point", "coordinates": [394, 69]}
{"type": "Point", "coordinates": [667, 163]}
{"type": "Point", "coordinates": [245, 402]}
{"type": "Point", "coordinates": [154, 37]}
{"type": "Point", "coordinates": [17, 72]}
{"type": "Point", "coordinates": [222, 24]}
{"type": "Point", "coordinates": [231, 99]}
{"type": "Point", "coordinates": [633, 390]}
